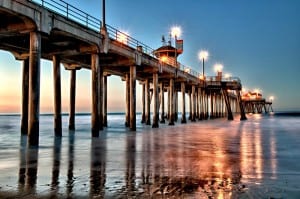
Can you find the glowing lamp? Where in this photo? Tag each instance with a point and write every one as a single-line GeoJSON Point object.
{"type": "Point", "coordinates": [122, 37]}
{"type": "Point", "coordinates": [218, 67]}
{"type": "Point", "coordinates": [203, 55]}
{"type": "Point", "coordinates": [175, 31]}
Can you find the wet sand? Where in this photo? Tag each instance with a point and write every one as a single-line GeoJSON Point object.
{"type": "Point", "coordinates": [257, 158]}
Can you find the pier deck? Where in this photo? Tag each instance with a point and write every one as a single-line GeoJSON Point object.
{"type": "Point", "coordinates": [57, 31]}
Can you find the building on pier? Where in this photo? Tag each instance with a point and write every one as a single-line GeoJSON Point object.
{"type": "Point", "coordinates": [255, 103]}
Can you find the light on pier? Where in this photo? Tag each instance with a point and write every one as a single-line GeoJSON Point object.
{"type": "Point", "coordinates": [175, 32]}
{"type": "Point", "coordinates": [218, 67]}
{"type": "Point", "coordinates": [203, 55]}
{"type": "Point", "coordinates": [122, 37]}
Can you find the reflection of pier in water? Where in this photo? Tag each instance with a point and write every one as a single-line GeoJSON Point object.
{"type": "Point", "coordinates": [153, 164]}
{"type": "Point", "coordinates": [28, 168]}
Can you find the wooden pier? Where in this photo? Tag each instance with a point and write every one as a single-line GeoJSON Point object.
{"type": "Point", "coordinates": [76, 40]}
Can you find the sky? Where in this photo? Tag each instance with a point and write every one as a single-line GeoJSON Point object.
{"type": "Point", "coordinates": [255, 40]}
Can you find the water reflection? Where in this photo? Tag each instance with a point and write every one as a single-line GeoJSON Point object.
{"type": "Point", "coordinates": [70, 175]}
{"type": "Point", "coordinates": [258, 152]}
{"type": "Point", "coordinates": [177, 165]}
{"type": "Point", "coordinates": [28, 167]}
{"type": "Point", "coordinates": [146, 174]}
{"type": "Point", "coordinates": [251, 153]}
{"type": "Point", "coordinates": [98, 166]}
{"type": "Point", "coordinates": [273, 151]}
{"type": "Point", "coordinates": [22, 165]}
{"type": "Point", "coordinates": [56, 164]}
{"type": "Point", "coordinates": [212, 162]}
{"type": "Point", "coordinates": [130, 175]}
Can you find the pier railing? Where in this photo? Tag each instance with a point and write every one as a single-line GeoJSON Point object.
{"type": "Point", "coordinates": [72, 13]}
{"type": "Point", "coordinates": [223, 79]}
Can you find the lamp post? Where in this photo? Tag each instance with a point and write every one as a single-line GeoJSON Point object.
{"type": "Point", "coordinates": [203, 55]}
{"type": "Point", "coordinates": [175, 32]}
{"type": "Point", "coordinates": [103, 14]}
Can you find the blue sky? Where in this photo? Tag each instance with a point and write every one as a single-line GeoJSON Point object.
{"type": "Point", "coordinates": [256, 40]}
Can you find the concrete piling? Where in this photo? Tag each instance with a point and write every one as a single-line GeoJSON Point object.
{"type": "Point", "coordinates": [57, 96]}
{"type": "Point", "coordinates": [25, 87]}
{"type": "Point", "coordinates": [34, 88]}
{"type": "Point", "coordinates": [72, 99]}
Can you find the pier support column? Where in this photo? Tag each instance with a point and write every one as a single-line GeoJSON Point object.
{"type": "Point", "coordinates": [183, 116]}
{"type": "Point", "coordinates": [200, 103]}
{"type": "Point", "coordinates": [162, 97]}
{"type": "Point", "coordinates": [95, 95]}
{"type": "Point", "coordinates": [25, 84]}
{"type": "Point", "coordinates": [100, 96]}
{"type": "Point", "coordinates": [227, 102]}
{"type": "Point", "coordinates": [155, 101]}
{"type": "Point", "coordinates": [143, 103]}
{"type": "Point", "coordinates": [72, 99]}
{"type": "Point", "coordinates": [193, 119]}
{"type": "Point", "coordinates": [211, 105]}
{"type": "Point", "coordinates": [132, 124]}
{"type": "Point", "coordinates": [105, 101]}
{"type": "Point", "coordinates": [206, 104]}
{"type": "Point", "coordinates": [127, 96]}
{"type": "Point", "coordinates": [169, 102]}
{"type": "Point", "coordinates": [197, 103]}
{"type": "Point", "coordinates": [148, 122]}
{"type": "Point", "coordinates": [57, 96]}
{"type": "Point", "coordinates": [176, 106]}
{"type": "Point", "coordinates": [219, 105]}
{"type": "Point", "coordinates": [172, 105]}
{"type": "Point", "coordinates": [242, 110]}
{"type": "Point", "coordinates": [34, 88]}
{"type": "Point", "coordinates": [190, 104]}
{"type": "Point", "coordinates": [203, 103]}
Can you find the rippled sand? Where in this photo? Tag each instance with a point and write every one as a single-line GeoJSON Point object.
{"type": "Point", "coordinates": [257, 158]}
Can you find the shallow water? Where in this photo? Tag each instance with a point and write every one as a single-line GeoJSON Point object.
{"type": "Point", "coordinates": [256, 158]}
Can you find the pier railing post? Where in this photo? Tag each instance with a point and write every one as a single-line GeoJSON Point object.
{"type": "Point", "coordinates": [34, 88]}
{"type": "Point", "coordinates": [25, 84]}
{"type": "Point", "coordinates": [57, 96]}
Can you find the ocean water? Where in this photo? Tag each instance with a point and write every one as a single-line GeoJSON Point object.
{"type": "Point", "coordinates": [256, 158]}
